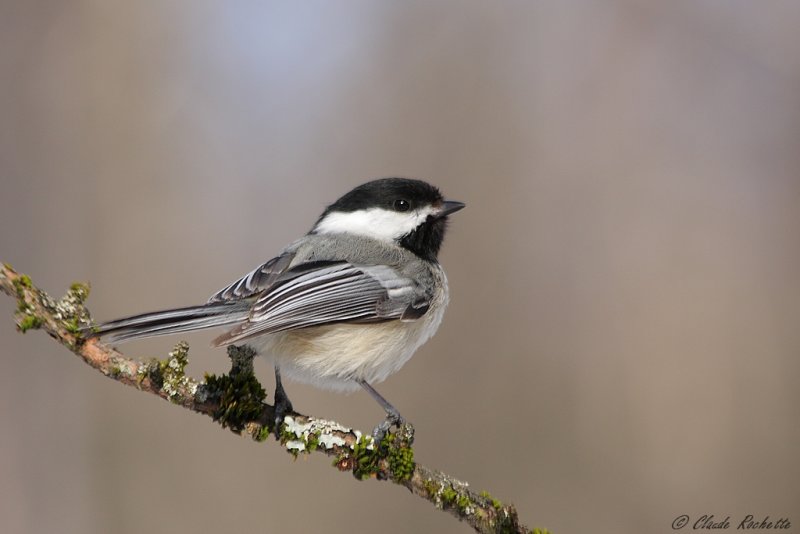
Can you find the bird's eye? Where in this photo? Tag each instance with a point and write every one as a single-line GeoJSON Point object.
{"type": "Point", "coordinates": [401, 205]}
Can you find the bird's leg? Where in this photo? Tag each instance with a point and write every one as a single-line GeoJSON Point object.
{"type": "Point", "coordinates": [393, 417]}
{"type": "Point", "coordinates": [283, 405]}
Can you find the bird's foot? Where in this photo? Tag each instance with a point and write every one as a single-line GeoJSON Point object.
{"type": "Point", "coordinates": [283, 407]}
{"type": "Point", "coordinates": [392, 419]}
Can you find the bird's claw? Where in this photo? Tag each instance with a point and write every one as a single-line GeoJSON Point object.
{"type": "Point", "coordinates": [283, 407]}
{"type": "Point", "coordinates": [392, 419]}
{"type": "Point", "coordinates": [281, 411]}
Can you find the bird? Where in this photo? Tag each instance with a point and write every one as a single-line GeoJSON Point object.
{"type": "Point", "coordinates": [341, 308]}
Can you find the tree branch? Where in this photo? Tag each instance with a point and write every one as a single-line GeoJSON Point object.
{"type": "Point", "coordinates": [236, 400]}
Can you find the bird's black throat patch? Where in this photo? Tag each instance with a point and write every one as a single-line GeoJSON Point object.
{"type": "Point", "coordinates": [426, 240]}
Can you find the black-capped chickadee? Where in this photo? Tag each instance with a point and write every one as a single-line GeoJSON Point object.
{"type": "Point", "coordinates": [342, 307]}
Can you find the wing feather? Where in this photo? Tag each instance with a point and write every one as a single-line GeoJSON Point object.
{"type": "Point", "coordinates": [328, 293]}
{"type": "Point", "coordinates": [256, 281]}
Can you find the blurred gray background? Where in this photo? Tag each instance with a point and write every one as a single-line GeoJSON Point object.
{"type": "Point", "coordinates": [622, 343]}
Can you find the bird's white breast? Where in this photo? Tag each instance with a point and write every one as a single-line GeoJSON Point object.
{"type": "Point", "coordinates": [334, 356]}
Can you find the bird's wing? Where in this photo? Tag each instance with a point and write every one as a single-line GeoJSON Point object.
{"type": "Point", "coordinates": [319, 293]}
{"type": "Point", "coordinates": [256, 281]}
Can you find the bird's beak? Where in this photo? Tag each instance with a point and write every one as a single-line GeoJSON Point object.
{"type": "Point", "coordinates": [448, 207]}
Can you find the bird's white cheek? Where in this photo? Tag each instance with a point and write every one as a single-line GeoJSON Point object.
{"type": "Point", "coordinates": [377, 223]}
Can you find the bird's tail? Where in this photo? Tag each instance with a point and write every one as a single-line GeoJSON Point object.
{"type": "Point", "coordinates": [165, 322]}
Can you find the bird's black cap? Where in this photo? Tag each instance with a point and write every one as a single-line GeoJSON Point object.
{"type": "Point", "coordinates": [384, 192]}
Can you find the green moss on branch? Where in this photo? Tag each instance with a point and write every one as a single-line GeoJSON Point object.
{"type": "Point", "coordinates": [239, 395]}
